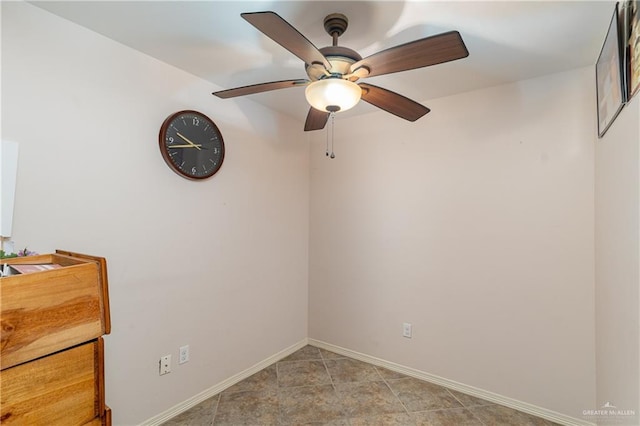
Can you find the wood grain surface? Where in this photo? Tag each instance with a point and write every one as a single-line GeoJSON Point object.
{"type": "Point", "coordinates": [58, 389]}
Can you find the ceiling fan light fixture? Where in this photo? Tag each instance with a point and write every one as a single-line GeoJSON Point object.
{"type": "Point", "coordinates": [333, 94]}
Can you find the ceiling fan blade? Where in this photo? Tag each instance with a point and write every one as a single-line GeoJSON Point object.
{"type": "Point", "coordinates": [283, 33]}
{"type": "Point", "coordinates": [427, 51]}
{"type": "Point", "coordinates": [259, 88]}
{"type": "Point", "coordinates": [316, 120]}
{"type": "Point", "coordinates": [393, 102]}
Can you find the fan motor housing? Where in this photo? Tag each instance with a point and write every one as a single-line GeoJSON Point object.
{"type": "Point", "coordinates": [341, 58]}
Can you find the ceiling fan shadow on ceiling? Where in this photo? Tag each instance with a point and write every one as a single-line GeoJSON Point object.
{"type": "Point", "coordinates": [333, 71]}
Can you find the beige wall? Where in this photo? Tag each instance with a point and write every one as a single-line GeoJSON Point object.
{"type": "Point", "coordinates": [475, 224]}
{"type": "Point", "coordinates": [220, 265]}
{"type": "Point", "coordinates": [617, 186]}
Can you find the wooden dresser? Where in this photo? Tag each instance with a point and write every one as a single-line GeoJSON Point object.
{"type": "Point", "coordinates": [52, 352]}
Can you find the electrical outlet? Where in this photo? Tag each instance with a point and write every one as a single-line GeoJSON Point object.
{"type": "Point", "coordinates": [165, 365]}
{"type": "Point", "coordinates": [406, 330]}
{"type": "Point", "coordinates": [184, 354]}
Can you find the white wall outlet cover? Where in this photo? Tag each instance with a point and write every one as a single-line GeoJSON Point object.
{"type": "Point", "coordinates": [406, 329]}
{"type": "Point", "coordinates": [165, 365]}
{"type": "Point", "coordinates": [184, 354]}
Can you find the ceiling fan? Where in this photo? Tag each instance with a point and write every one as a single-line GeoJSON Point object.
{"type": "Point", "coordinates": [333, 70]}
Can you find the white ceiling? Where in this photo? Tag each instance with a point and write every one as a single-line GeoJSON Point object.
{"type": "Point", "coordinates": [507, 40]}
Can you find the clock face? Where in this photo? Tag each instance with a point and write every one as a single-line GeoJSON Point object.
{"type": "Point", "coordinates": [191, 144]}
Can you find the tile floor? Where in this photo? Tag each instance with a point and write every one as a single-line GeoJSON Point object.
{"type": "Point", "coordinates": [316, 387]}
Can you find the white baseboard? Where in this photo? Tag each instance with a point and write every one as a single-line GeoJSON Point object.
{"type": "Point", "coordinates": [216, 389]}
{"type": "Point", "coordinates": [480, 393]}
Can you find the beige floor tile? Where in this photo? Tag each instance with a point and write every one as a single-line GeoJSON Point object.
{"type": "Point", "coordinates": [309, 405]}
{"type": "Point", "coordinates": [418, 395]}
{"type": "Point", "coordinates": [338, 422]}
{"type": "Point", "coordinates": [448, 417]}
{"type": "Point", "coordinates": [388, 374]}
{"type": "Point", "coordinates": [199, 415]}
{"type": "Point", "coordinates": [329, 355]}
{"type": "Point", "coordinates": [395, 419]}
{"type": "Point", "coordinates": [344, 370]}
{"type": "Point", "coordinates": [247, 408]}
{"type": "Point", "coordinates": [468, 400]}
{"type": "Point", "coordinates": [302, 373]}
{"type": "Point", "coordinates": [263, 380]}
{"type": "Point", "coordinates": [368, 399]}
{"type": "Point", "coordinates": [306, 353]}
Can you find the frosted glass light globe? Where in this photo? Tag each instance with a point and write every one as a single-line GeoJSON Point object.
{"type": "Point", "coordinates": [333, 94]}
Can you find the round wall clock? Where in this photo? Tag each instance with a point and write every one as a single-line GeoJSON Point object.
{"type": "Point", "coordinates": [191, 144]}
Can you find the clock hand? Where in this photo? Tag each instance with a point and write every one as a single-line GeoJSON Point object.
{"type": "Point", "coordinates": [187, 140]}
{"type": "Point", "coordinates": [184, 146]}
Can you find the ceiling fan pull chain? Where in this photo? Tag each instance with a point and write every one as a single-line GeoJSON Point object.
{"type": "Point", "coordinates": [327, 150]}
{"type": "Point", "coordinates": [333, 117]}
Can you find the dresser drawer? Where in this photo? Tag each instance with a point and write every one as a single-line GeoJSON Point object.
{"type": "Point", "coordinates": [66, 388]}
{"type": "Point", "coordinates": [45, 312]}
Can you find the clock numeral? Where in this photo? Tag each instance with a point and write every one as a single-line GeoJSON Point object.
{"type": "Point", "coordinates": [195, 121]}
{"type": "Point", "coordinates": [194, 170]}
{"type": "Point", "coordinates": [171, 140]}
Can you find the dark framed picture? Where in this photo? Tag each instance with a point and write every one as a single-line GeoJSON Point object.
{"type": "Point", "coordinates": [634, 47]}
{"type": "Point", "coordinates": [609, 77]}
